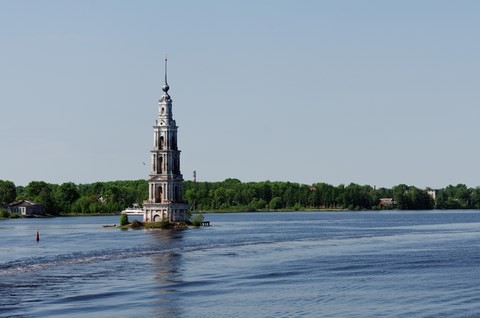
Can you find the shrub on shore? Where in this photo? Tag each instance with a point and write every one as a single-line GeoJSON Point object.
{"type": "Point", "coordinates": [124, 220]}
{"type": "Point", "coordinates": [196, 220]}
{"type": "Point", "coordinates": [4, 214]}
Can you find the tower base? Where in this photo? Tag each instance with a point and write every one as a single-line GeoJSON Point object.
{"type": "Point", "coordinates": [157, 212]}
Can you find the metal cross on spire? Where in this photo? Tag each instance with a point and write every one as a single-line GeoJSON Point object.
{"type": "Point", "coordinates": [165, 68]}
{"type": "Point", "coordinates": [165, 86]}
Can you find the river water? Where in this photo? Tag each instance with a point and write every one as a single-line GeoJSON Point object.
{"type": "Point", "coordinates": [299, 264]}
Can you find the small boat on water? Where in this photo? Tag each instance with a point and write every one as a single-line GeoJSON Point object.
{"type": "Point", "coordinates": [135, 210]}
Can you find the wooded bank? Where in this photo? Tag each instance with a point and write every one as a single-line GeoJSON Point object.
{"type": "Point", "coordinates": [234, 195]}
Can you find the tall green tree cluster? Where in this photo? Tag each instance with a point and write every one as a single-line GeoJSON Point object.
{"type": "Point", "coordinates": [100, 197]}
{"type": "Point", "coordinates": [110, 197]}
{"type": "Point", "coordinates": [8, 192]}
{"type": "Point", "coordinates": [234, 195]}
{"type": "Point", "coordinates": [458, 197]}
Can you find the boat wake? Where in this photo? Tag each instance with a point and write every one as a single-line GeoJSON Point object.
{"type": "Point", "coordinates": [33, 264]}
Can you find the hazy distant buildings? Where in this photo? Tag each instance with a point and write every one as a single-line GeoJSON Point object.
{"type": "Point", "coordinates": [165, 184]}
{"type": "Point", "coordinates": [433, 193]}
{"type": "Point", "coordinates": [386, 202]}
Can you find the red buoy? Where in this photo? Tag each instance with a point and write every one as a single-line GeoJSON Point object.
{"type": "Point", "coordinates": [37, 237]}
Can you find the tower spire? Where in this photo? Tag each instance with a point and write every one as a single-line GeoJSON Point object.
{"type": "Point", "coordinates": [165, 87]}
{"type": "Point", "coordinates": [165, 68]}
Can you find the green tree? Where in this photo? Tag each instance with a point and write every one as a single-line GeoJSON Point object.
{"type": "Point", "coordinates": [84, 205]}
{"type": "Point", "coordinates": [65, 195]}
{"type": "Point", "coordinates": [41, 192]}
{"type": "Point", "coordinates": [197, 219]}
{"type": "Point", "coordinates": [33, 189]}
{"type": "Point", "coordinates": [124, 220]}
{"type": "Point", "coordinates": [289, 196]}
{"type": "Point", "coordinates": [276, 203]}
{"type": "Point", "coordinates": [455, 197]}
{"type": "Point", "coordinates": [4, 214]}
{"type": "Point", "coordinates": [260, 204]}
{"type": "Point", "coordinates": [337, 196]}
{"type": "Point", "coordinates": [357, 197]}
{"type": "Point", "coordinates": [46, 198]}
{"type": "Point", "coordinates": [475, 198]}
{"type": "Point", "coordinates": [8, 192]}
{"type": "Point", "coordinates": [400, 196]}
{"type": "Point", "coordinates": [420, 199]}
{"type": "Point", "coordinates": [313, 198]}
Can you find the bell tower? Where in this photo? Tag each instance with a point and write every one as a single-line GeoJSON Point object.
{"type": "Point", "coordinates": [165, 183]}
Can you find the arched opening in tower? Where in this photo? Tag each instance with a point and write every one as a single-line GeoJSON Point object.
{"type": "Point", "coordinates": [162, 142]}
{"type": "Point", "coordinates": [160, 164]}
{"type": "Point", "coordinates": [158, 194]}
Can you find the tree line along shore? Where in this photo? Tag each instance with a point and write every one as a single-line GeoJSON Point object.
{"type": "Point", "coordinates": [232, 195]}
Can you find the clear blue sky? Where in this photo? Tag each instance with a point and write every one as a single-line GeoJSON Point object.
{"type": "Point", "coordinates": [371, 92]}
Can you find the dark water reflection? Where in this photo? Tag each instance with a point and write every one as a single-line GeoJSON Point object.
{"type": "Point", "coordinates": [167, 274]}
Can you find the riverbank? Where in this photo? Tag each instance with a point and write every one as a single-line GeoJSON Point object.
{"type": "Point", "coordinates": [215, 211]}
{"type": "Point", "coordinates": [8, 216]}
{"type": "Point", "coordinates": [233, 210]}
{"type": "Point", "coordinates": [86, 214]}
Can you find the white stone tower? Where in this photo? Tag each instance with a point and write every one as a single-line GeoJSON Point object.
{"type": "Point", "coordinates": [165, 183]}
